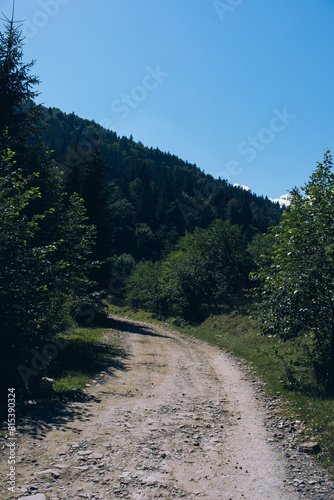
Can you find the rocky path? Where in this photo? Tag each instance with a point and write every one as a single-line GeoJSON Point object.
{"type": "Point", "coordinates": [179, 419]}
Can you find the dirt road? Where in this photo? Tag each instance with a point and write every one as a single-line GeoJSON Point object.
{"type": "Point", "coordinates": [179, 419]}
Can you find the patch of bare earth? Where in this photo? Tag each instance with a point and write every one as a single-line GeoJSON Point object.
{"type": "Point", "coordinates": [180, 419]}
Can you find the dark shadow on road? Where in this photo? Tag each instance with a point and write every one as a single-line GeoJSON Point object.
{"type": "Point", "coordinates": [37, 420]}
{"type": "Point", "coordinates": [47, 409]}
{"type": "Point", "coordinates": [39, 417]}
{"type": "Point", "coordinates": [128, 326]}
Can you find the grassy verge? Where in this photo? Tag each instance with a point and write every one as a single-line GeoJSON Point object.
{"type": "Point", "coordinates": [273, 362]}
{"type": "Point", "coordinates": [85, 355]}
{"type": "Point", "coordinates": [88, 351]}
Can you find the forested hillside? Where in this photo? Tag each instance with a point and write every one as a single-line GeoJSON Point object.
{"type": "Point", "coordinates": [142, 200]}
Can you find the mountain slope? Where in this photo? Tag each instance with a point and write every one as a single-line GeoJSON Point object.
{"type": "Point", "coordinates": [149, 198]}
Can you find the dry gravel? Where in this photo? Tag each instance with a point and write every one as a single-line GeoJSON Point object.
{"type": "Point", "coordinates": [177, 419]}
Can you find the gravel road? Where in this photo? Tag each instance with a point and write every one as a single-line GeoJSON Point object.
{"type": "Point", "coordinates": [177, 419]}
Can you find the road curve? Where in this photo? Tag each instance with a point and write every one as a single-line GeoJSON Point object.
{"type": "Point", "coordinates": [178, 419]}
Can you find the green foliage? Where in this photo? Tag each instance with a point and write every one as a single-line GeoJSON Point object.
{"type": "Point", "coordinates": [298, 281]}
{"type": "Point", "coordinates": [86, 354]}
{"type": "Point", "coordinates": [208, 267]}
{"type": "Point", "coordinates": [16, 88]}
{"type": "Point", "coordinates": [123, 265]}
{"type": "Point", "coordinates": [19, 257]}
{"type": "Point", "coordinates": [152, 198]}
{"type": "Point", "coordinates": [120, 269]}
{"type": "Point", "coordinates": [45, 241]}
{"type": "Point", "coordinates": [140, 200]}
{"type": "Point", "coordinates": [42, 273]}
{"type": "Point", "coordinates": [85, 175]}
{"type": "Point", "coordinates": [143, 286]}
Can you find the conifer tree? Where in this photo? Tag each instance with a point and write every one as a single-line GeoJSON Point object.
{"type": "Point", "coordinates": [17, 109]}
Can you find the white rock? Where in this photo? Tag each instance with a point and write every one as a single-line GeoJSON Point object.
{"type": "Point", "coordinates": [95, 456]}
{"type": "Point", "coordinates": [54, 472]}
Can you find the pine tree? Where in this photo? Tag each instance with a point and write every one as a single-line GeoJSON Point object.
{"type": "Point", "coordinates": [17, 109]}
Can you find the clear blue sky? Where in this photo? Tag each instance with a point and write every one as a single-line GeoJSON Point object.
{"type": "Point", "coordinates": [242, 88]}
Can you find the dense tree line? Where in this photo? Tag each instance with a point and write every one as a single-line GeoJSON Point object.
{"type": "Point", "coordinates": [152, 208]}
{"type": "Point", "coordinates": [295, 274]}
{"type": "Point", "coordinates": [146, 199]}
{"type": "Point", "coordinates": [292, 268]}
{"type": "Point", "coordinates": [45, 239]}
{"type": "Point", "coordinates": [206, 269]}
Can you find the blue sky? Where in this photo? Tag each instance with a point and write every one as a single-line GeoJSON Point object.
{"type": "Point", "coordinates": [242, 88]}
